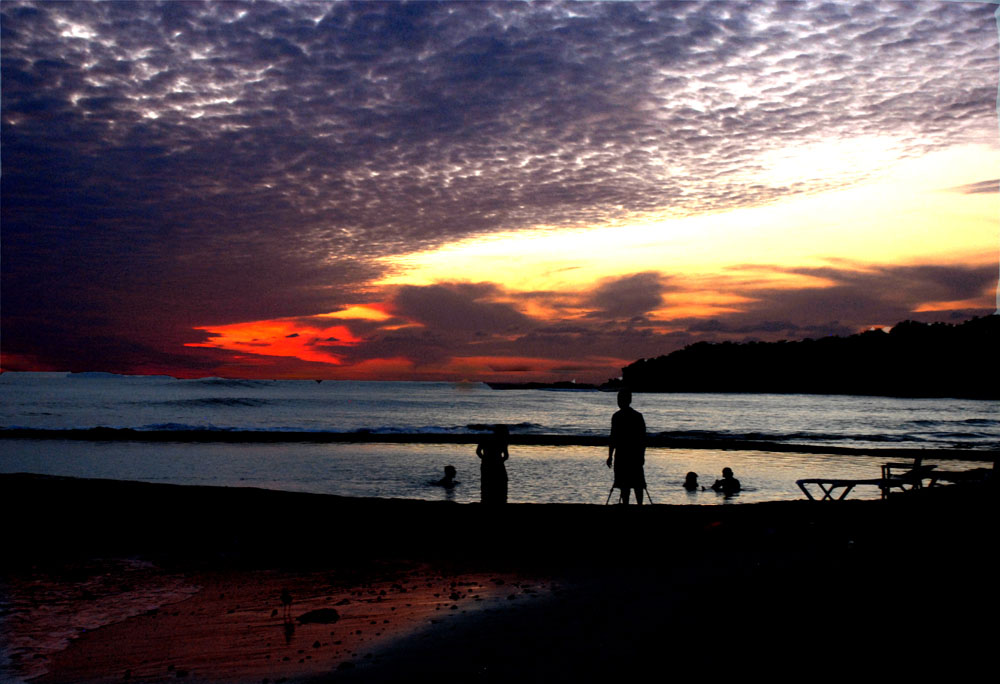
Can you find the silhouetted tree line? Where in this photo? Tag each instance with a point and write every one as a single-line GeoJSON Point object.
{"type": "Point", "coordinates": [913, 360]}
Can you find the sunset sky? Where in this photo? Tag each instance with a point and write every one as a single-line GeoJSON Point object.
{"type": "Point", "coordinates": [485, 191]}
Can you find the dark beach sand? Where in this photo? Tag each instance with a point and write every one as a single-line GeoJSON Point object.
{"type": "Point", "coordinates": [534, 592]}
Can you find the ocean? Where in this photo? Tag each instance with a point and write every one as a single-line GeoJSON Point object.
{"type": "Point", "coordinates": [770, 440]}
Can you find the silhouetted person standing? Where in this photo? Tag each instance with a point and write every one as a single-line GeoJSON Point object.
{"type": "Point", "coordinates": [492, 454]}
{"type": "Point", "coordinates": [628, 444]}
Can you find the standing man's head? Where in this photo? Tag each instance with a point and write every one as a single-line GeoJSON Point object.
{"type": "Point", "coordinates": [727, 473]}
{"type": "Point", "coordinates": [624, 398]}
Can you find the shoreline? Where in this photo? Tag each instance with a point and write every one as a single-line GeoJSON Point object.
{"type": "Point", "coordinates": [564, 590]}
{"type": "Point", "coordinates": [105, 434]}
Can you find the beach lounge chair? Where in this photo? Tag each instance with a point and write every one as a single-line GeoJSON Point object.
{"type": "Point", "coordinates": [976, 476]}
{"type": "Point", "coordinates": [829, 487]}
{"type": "Point", "coordinates": [907, 476]}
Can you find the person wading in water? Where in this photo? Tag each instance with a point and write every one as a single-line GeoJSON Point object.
{"type": "Point", "coordinates": [492, 454]}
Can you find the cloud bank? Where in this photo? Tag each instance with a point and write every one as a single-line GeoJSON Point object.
{"type": "Point", "coordinates": [171, 166]}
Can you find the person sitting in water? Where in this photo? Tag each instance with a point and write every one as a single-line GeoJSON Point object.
{"type": "Point", "coordinates": [691, 482]}
{"type": "Point", "coordinates": [448, 481]}
{"type": "Point", "coordinates": [728, 485]}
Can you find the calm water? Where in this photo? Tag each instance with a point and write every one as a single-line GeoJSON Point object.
{"type": "Point", "coordinates": [58, 401]}
{"type": "Point", "coordinates": [537, 474]}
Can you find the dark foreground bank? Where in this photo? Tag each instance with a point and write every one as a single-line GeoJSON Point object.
{"type": "Point", "coordinates": [533, 592]}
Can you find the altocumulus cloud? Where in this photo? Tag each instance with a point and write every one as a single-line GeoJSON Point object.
{"type": "Point", "coordinates": [181, 164]}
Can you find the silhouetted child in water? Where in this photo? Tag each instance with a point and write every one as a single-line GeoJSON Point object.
{"type": "Point", "coordinates": [691, 482]}
{"type": "Point", "coordinates": [492, 453]}
{"type": "Point", "coordinates": [448, 481]}
{"type": "Point", "coordinates": [728, 485]}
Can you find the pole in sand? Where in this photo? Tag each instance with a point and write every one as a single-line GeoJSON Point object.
{"type": "Point", "coordinates": [644, 487]}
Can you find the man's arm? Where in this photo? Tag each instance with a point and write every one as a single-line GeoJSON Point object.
{"type": "Point", "coordinates": [642, 440]}
{"type": "Point", "coordinates": [613, 439]}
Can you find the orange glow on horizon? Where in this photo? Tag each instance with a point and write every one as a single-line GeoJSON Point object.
{"type": "Point", "coordinates": [983, 302]}
{"type": "Point", "coordinates": [699, 304]}
{"type": "Point", "coordinates": [281, 337]}
{"type": "Point", "coordinates": [379, 311]}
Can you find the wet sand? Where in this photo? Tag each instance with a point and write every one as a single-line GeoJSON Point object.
{"type": "Point", "coordinates": [534, 592]}
{"type": "Point", "coordinates": [234, 628]}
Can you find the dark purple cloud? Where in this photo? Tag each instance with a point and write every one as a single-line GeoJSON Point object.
{"type": "Point", "coordinates": [858, 297]}
{"type": "Point", "coordinates": [460, 308]}
{"type": "Point", "coordinates": [629, 296]}
{"type": "Point", "coordinates": [420, 346]}
{"type": "Point", "coordinates": [980, 187]}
